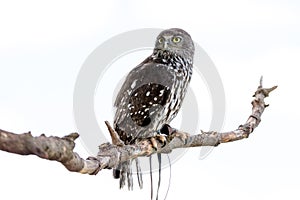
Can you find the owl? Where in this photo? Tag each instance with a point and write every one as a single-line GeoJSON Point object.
{"type": "Point", "coordinates": [152, 93]}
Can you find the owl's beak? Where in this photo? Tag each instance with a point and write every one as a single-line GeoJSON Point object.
{"type": "Point", "coordinates": [166, 44]}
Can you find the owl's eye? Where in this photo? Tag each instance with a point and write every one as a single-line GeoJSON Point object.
{"type": "Point", "coordinates": [176, 39]}
{"type": "Point", "coordinates": [161, 40]}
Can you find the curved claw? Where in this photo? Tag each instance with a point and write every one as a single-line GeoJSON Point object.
{"type": "Point", "coordinates": [158, 138]}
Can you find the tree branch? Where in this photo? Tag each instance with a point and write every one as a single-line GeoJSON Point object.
{"type": "Point", "coordinates": [110, 155]}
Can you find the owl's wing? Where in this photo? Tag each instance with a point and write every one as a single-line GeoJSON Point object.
{"type": "Point", "coordinates": [127, 81]}
{"type": "Point", "coordinates": [142, 99]}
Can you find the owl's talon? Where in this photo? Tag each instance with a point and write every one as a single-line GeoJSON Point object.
{"type": "Point", "coordinates": [154, 143]}
{"type": "Point", "coordinates": [158, 139]}
{"type": "Point", "coordinates": [182, 136]}
{"type": "Point", "coordinates": [162, 139]}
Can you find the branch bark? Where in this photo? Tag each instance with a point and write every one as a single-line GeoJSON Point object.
{"type": "Point", "coordinates": [110, 155]}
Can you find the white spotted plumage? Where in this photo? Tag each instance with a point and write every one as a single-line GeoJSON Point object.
{"type": "Point", "coordinates": [153, 92]}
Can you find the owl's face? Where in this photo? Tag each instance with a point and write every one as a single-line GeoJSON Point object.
{"type": "Point", "coordinates": [176, 41]}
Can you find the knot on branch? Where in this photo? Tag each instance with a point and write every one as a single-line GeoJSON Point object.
{"type": "Point", "coordinates": [245, 129]}
{"type": "Point", "coordinates": [71, 137]}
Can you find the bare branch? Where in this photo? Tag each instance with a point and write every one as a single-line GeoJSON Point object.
{"type": "Point", "coordinates": [50, 148]}
{"type": "Point", "coordinates": [110, 155]}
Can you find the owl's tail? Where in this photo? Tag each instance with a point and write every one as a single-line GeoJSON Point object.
{"type": "Point", "coordinates": [124, 172]}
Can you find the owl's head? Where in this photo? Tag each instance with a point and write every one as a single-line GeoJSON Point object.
{"type": "Point", "coordinates": [176, 41]}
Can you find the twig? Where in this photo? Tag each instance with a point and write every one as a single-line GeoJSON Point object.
{"type": "Point", "coordinates": [115, 139]}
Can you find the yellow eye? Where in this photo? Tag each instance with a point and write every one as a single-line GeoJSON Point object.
{"type": "Point", "coordinates": [160, 40]}
{"type": "Point", "coordinates": [176, 39]}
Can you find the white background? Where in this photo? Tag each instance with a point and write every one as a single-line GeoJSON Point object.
{"type": "Point", "coordinates": [43, 45]}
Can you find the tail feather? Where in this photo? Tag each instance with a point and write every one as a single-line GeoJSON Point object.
{"type": "Point", "coordinates": [169, 177]}
{"type": "Point", "coordinates": [159, 174]}
{"type": "Point", "coordinates": [129, 175]}
{"type": "Point", "coordinates": [124, 173]}
{"type": "Point", "coordinates": [117, 172]}
{"type": "Point", "coordinates": [159, 157]}
{"type": "Point", "coordinates": [139, 173]}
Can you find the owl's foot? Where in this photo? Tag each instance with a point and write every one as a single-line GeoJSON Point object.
{"type": "Point", "coordinates": [173, 133]}
{"type": "Point", "coordinates": [167, 134]}
{"type": "Point", "coordinates": [158, 139]}
{"type": "Point", "coordinates": [181, 135]}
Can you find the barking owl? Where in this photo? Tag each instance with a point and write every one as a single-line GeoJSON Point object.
{"type": "Point", "coordinates": [152, 93]}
